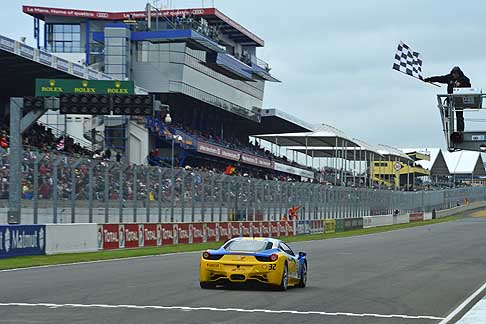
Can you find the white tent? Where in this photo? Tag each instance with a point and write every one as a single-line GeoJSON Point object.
{"type": "Point", "coordinates": [465, 163]}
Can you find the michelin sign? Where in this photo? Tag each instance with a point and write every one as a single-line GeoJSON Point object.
{"type": "Point", "coordinates": [18, 240]}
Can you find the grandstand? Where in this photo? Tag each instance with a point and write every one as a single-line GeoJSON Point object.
{"type": "Point", "coordinates": [208, 74]}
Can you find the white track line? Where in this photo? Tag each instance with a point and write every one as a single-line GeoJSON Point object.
{"type": "Point", "coordinates": [463, 305]}
{"type": "Point", "coordinates": [214, 309]}
{"type": "Point", "coordinates": [98, 261]}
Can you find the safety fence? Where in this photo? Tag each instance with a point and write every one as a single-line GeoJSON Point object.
{"type": "Point", "coordinates": [60, 189]}
{"type": "Point", "coordinates": [21, 240]}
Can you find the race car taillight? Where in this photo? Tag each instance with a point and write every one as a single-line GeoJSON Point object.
{"type": "Point", "coordinates": [208, 256]}
{"type": "Point", "coordinates": [271, 258]}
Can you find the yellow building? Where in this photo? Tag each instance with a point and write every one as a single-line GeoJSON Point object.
{"type": "Point", "coordinates": [397, 169]}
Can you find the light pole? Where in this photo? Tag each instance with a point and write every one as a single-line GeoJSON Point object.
{"type": "Point", "coordinates": [174, 138]}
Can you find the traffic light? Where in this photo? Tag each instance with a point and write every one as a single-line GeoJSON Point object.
{"type": "Point", "coordinates": [33, 103]}
{"type": "Point", "coordinates": [85, 104]}
{"type": "Point", "coordinates": [133, 105]}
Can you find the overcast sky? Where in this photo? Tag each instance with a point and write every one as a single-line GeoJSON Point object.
{"type": "Point", "coordinates": [335, 57]}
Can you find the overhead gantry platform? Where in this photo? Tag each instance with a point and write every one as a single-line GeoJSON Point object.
{"type": "Point", "coordinates": [465, 101]}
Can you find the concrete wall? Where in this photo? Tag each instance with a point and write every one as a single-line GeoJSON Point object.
{"type": "Point", "coordinates": [71, 238]}
{"type": "Point", "coordinates": [384, 220]}
{"type": "Point", "coordinates": [459, 209]}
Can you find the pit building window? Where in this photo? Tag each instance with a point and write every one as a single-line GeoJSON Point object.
{"type": "Point", "coordinates": [64, 38]}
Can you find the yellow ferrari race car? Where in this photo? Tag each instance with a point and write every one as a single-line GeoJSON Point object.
{"type": "Point", "coordinates": [245, 259]}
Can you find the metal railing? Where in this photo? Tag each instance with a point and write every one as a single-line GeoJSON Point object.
{"type": "Point", "coordinates": [62, 189]}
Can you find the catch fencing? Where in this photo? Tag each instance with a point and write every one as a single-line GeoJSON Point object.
{"type": "Point", "coordinates": [61, 189]}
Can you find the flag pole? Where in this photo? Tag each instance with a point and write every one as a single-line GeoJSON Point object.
{"type": "Point", "coordinates": [417, 78]}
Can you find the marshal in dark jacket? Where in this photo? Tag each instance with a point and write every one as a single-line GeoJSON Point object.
{"type": "Point", "coordinates": [455, 79]}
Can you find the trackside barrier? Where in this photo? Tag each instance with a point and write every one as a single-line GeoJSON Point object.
{"type": "Point", "coordinates": [377, 221]}
{"type": "Point", "coordinates": [119, 236]}
{"type": "Point", "coordinates": [459, 209]}
{"type": "Point", "coordinates": [21, 240]}
{"type": "Point", "coordinates": [385, 220]}
{"type": "Point", "coordinates": [70, 238]}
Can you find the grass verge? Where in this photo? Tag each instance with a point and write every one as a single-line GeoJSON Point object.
{"type": "Point", "coordinates": [30, 261]}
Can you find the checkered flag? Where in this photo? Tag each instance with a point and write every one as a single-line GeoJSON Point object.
{"type": "Point", "coordinates": [407, 61]}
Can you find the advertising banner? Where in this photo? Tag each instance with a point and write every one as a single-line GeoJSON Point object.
{"type": "Point", "coordinates": [211, 233]}
{"type": "Point", "coordinates": [282, 228]}
{"type": "Point", "coordinates": [302, 227]}
{"type": "Point", "coordinates": [198, 233]}
{"type": "Point", "coordinates": [183, 234]}
{"type": "Point", "coordinates": [168, 132]}
{"type": "Point", "coordinates": [416, 217]}
{"type": "Point", "coordinates": [169, 234]}
{"type": "Point", "coordinates": [357, 223]}
{"type": "Point", "coordinates": [274, 229]}
{"type": "Point", "coordinates": [293, 170]}
{"type": "Point", "coordinates": [330, 226]}
{"type": "Point", "coordinates": [348, 224]}
{"type": "Point", "coordinates": [222, 152]}
{"type": "Point", "coordinates": [255, 229]}
{"type": "Point", "coordinates": [132, 235]}
{"type": "Point", "coordinates": [244, 229]}
{"type": "Point", "coordinates": [234, 229]}
{"type": "Point", "coordinates": [54, 87]}
{"type": "Point", "coordinates": [290, 228]}
{"type": "Point", "coordinates": [104, 15]}
{"type": "Point", "coordinates": [110, 236]}
{"type": "Point", "coordinates": [150, 234]}
{"type": "Point", "coordinates": [339, 225]}
{"type": "Point", "coordinates": [224, 231]}
{"type": "Point", "coordinates": [316, 226]}
{"type": "Point", "coordinates": [18, 240]}
{"type": "Point", "coordinates": [265, 229]}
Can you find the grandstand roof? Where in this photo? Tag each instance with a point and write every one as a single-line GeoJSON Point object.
{"type": "Point", "coordinates": [324, 136]}
{"type": "Point", "coordinates": [19, 73]}
{"type": "Point", "coordinates": [275, 121]}
{"type": "Point", "coordinates": [393, 153]}
{"type": "Point", "coordinates": [352, 154]}
{"type": "Point", "coordinates": [22, 64]}
{"type": "Point", "coordinates": [214, 17]}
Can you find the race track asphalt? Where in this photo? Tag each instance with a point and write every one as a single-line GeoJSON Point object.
{"type": "Point", "coordinates": [392, 277]}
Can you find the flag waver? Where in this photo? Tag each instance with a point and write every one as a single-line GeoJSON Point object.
{"type": "Point", "coordinates": [408, 61]}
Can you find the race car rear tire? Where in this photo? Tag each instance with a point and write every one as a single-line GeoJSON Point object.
{"type": "Point", "coordinates": [207, 285]}
{"type": "Point", "coordinates": [285, 279]}
{"type": "Point", "coordinates": [303, 276]}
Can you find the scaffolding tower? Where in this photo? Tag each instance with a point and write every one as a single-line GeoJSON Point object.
{"type": "Point", "coordinates": [465, 100]}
